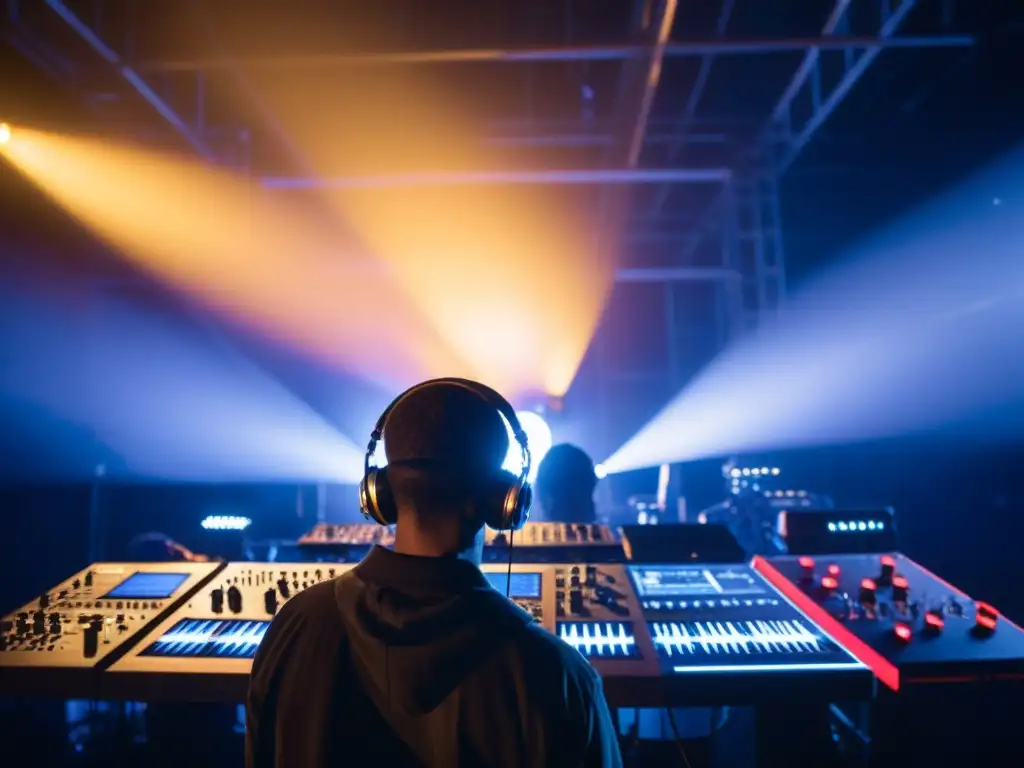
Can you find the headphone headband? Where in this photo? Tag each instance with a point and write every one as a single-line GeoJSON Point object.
{"type": "Point", "coordinates": [488, 394]}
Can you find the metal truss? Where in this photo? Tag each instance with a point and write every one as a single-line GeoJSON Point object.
{"type": "Point", "coordinates": [743, 225]}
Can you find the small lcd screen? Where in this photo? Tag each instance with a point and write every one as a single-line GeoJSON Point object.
{"type": "Point", "coordinates": [147, 586]}
{"type": "Point", "coordinates": [664, 581]}
{"type": "Point", "coordinates": [522, 585]}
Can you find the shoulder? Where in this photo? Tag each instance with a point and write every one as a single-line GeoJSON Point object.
{"type": "Point", "coordinates": [558, 661]}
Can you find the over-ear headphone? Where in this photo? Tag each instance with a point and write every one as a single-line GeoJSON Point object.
{"type": "Point", "coordinates": [513, 494]}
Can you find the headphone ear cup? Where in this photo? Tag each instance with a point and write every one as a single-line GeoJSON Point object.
{"type": "Point", "coordinates": [375, 497]}
{"type": "Point", "coordinates": [503, 502]}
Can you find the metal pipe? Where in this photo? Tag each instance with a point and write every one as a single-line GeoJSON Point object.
{"type": "Point", "coordinates": [696, 93]}
{"type": "Point", "coordinates": [553, 54]}
{"type": "Point", "coordinates": [676, 275]}
{"type": "Point", "coordinates": [584, 140]}
{"type": "Point", "coordinates": [850, 78]}
{"type": "Point", "coordinates": [636, 141]}
{"type": "Point", "coordinates": [131, 76]}
{"type": "Point", "coordinates": [540, 177]}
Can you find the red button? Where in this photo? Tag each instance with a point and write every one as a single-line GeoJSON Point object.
{"type": "Point", "coordinates": [902, 632]}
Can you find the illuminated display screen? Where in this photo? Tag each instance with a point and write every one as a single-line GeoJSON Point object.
{"type": "Point", "coordinates": [523, 585]}
{"type": "Point", "coordinates": [673, 581]}
{"type": "Point", "coordinates": [210, 638]}
{"type": "Point", "coordinates": [735, 646]}
{"type": "Point", "coordinates": [147, 586]}
{"type": "Point", "coordinates": [600, 639]}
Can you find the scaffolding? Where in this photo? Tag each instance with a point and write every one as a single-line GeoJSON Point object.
{"type": "Point", "coordinates": [735, 244]}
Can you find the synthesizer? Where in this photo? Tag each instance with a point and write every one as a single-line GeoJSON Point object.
{"type": "Point", "coordinates": [909, 625]}
{"type": "Point", "coordinates": [948, 664]}
{"type": "Point", "coordinates": [204, 650]}
{"type": "Point", "coordinates": [59, 641]}
{"type": "Point", "coordinates": [536, 542]}
{"type": "Point", "coordinates": [545, 542]}
{"type": "Point", "coordinates": [659, 635]}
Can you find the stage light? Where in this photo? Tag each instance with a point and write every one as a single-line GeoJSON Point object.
{"type": "Point", "coordinates": [600, 471]}
{"type": "Point", "coordinates": [5, 133]}
{"type": "Point", "coordinates": [225, 523]}
{"type": "Point", "coordinates": [538, 434]}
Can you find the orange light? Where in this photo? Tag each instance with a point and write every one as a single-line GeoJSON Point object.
{"type": "Point", "coordinates": [5, 133]}
{"type": "Point", "coordinates": [868, 584]}
{"type": "Point", "coordinates": [833, 570]}
{"type": "Point", "coordinates": [829, 582]}
{"type": "Point", "coordinates": [806, 562]}
{"type": "Point", "coordinates": [899, 582]}
{"type": "Point", "coordinates": [903, 632]}
{"type": "Point", "coordinates": [985, 616]}
{"type": "Point", "coordinates": [934, 621]}
{"type": "Point", "coordinates": [888, 562]}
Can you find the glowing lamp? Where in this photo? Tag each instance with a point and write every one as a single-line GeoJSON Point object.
{"type": "Point", "coordinates": [225, 523]}
{"type": "Point", "coordinates": [538, 435]}
{"type": "Point", "coordinates": [5, 133]}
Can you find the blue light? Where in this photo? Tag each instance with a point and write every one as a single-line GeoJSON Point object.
{"type": "Point", "coordinates": [856, 526]}
{"type": "Point", "coordinates": [836, 666]}
{"type": "Point", "coordinates": [226, 523]}
{"type": "Point", "coordinates": [218, 638]}
{"type": "Point", "coordinates": [539, 438]}
{"type": "Point", "coordinates": [601, 639]}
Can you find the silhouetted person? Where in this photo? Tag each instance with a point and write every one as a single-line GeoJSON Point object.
{"type": "Point", "coordinates": [412, 658]}
{"type": "Point", "coordinates": [565, 485]}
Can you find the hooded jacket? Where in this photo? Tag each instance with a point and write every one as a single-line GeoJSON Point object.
{"type": "Point", "coordinates": [415, 661]}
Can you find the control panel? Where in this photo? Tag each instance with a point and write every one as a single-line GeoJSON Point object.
{"type": "Point", "coordinates": [555, 543]}
{"type": "Point", "coordinates": [92, 617]}
{"type": "Point", "coordinates": [905, 622]}
{"type": "Point", "coordinates": [535, 543]}
{"type": "Point", "coordinates": [219, 628]}
{"type": "Point", "coordinates": [345, 542]}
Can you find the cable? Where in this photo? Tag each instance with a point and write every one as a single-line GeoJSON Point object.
{"type": "Point", "coordinates": [508, 574]}
{"type": "Point", "coordinates": [678, 739]}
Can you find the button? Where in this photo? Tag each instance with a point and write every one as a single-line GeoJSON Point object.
{"type": "Point", "coordinates": [235, 599]}
{"type": "Point", "coordinates": [902, 632]}
{"type": "Point", "coordinates": [868, 595]}
{"type": "Point", "coordinates": [934, 621]}
{"type": "Point", "coordinates": [217, 600]}
{"type": "Point", "coordinates": [887, 570]}
{"type": "Point", "coordinates": [985, 617]}
{"type": "Point", "coordinates": [829, 583]}
{"type": "Point", "coordinates": [900, 589]}
{"type": "Point", "coordinates": [806, 568]}
{"type": "Point", "coordinates": [270, 601]}
{"type": "Point", "coordinates": [833, 570]}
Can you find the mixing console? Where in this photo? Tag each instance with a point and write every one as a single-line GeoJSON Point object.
{"type": "Point", "coordinates": [536, 542]}
{"type": "Point", "coordinates": [89, 620]}
{"type": "Point", "coordinates": [218, 629]}
{"type": "Point", "coordinates": [554, 543]}
{"type": "Point", "coordinates": [900, 619]}
{"type": "Point", "coordinates": [727, 620]}
{"type": "Point", "coordinates": [643, 627]}
{"type": "Point", "coordinates": [347, 542]}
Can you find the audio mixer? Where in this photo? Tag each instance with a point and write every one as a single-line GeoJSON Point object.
{"type": "Point", "coordinates": [724, 635]}
{"type": "Point", "coordinates": [659, 635]}
{"type": "Point", "coordinates": [952, 668]}
{"type": "Point", "coordinates": [906, 623]}
{"type": "Point", "coordinates": [204, 650]}
{"type": "Point", "coordinates": [555, 543]}
{"type": "Point", "coordinates": [86, 622]}
{"type": "Point", "coordinates": [345, 542]}
{"type": "Point", "coordinates": [535, 543]}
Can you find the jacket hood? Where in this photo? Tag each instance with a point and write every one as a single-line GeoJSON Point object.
{"type": "Point", "coordinates": [415, 625]}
